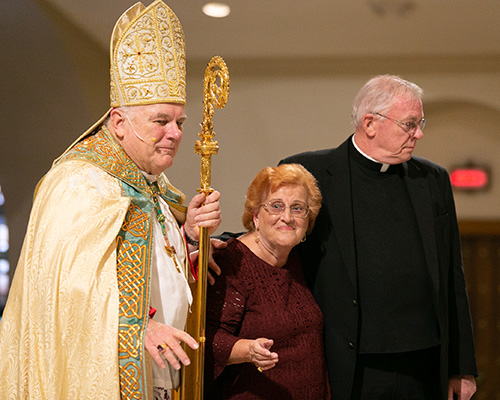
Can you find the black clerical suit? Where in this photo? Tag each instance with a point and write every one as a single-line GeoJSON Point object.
{"type": "Point", "coordinates": [330, 262]}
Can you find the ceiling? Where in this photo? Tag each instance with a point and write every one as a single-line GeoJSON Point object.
{"type": "Point", "coordinates": [277, 29]}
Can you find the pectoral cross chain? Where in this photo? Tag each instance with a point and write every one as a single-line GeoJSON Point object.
{"type": "Point", "coordinates": [171, 253]}
{"type": "Point", "coordinates": [161, 219]}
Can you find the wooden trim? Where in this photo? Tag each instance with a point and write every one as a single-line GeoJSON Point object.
{"type": "Point", "coordinates": [488, 228]}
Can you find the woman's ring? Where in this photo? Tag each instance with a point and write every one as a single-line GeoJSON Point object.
{"type": "Point", "coordinates": [259, 369]}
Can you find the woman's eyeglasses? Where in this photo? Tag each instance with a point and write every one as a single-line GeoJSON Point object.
{"type": "Point", "coordinates": [298, 210]}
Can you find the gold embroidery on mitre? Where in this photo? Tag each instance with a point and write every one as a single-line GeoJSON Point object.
{"type": "Point", "coordinates": [148, 57]}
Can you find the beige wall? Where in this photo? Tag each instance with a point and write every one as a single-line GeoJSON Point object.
{"type": "Point", "coordinates": [270, 117]}
{"type": "Point", "coordinates": [55, 85]}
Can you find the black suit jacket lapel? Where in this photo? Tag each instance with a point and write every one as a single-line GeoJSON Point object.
{"type": "Point", "coordinates": [340, 203]}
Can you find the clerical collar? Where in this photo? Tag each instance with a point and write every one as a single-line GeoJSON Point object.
{"type": "Point", "coordinates": [383, 167]}
{"type": "Point", "coordinates": [150, 178]}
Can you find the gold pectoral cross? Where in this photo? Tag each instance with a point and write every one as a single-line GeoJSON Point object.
{"type": "Point", "coordinates": [171, 253]}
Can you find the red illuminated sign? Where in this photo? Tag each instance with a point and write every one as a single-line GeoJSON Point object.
{"type": "Point", "coordinates": [470, 178]}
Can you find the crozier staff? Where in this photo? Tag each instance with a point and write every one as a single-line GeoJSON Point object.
{"type": "Point", "coordinates": [101, 289]}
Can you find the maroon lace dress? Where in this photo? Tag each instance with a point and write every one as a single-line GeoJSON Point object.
{"type": "Point", "coordinates": [252, 299]}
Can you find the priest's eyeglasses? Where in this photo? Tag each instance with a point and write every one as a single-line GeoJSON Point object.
{"type": "Point", "coordinates": [409, 127]}
{"type": "Point", "coordinates": [298, 210]}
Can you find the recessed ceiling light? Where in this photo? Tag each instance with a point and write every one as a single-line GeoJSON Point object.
{"type": "Point", "coordinates": [216, 10]}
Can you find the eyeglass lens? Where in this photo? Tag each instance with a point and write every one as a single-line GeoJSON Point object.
{"type": "Point", "coordinates": [278, 208]}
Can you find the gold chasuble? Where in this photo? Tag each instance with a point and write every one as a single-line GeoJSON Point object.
{"type": "Point", "coordinates": [79, 303]}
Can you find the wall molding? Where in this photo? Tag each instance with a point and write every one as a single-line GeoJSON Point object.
{"type": "Point", "coordinates": [487, 63]}
{"type": "Point", "coordinates": [479, 227]}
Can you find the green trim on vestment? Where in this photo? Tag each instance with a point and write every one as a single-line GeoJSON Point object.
{"type": "Point", "coordinates": [133, 264]}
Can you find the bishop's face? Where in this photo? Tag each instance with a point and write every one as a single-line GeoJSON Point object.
{"type": "Point", "coordinates": [152, 135]}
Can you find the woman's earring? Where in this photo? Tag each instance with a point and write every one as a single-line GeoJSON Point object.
{"type": "Point", "coordinates": [303, 239]}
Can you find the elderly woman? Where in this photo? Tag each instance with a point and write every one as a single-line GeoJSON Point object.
{"type": "Point", "coordinates": [264, 329]}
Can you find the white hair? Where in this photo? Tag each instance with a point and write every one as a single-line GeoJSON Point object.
{"type": "Point", "coordinates": [380, 93]}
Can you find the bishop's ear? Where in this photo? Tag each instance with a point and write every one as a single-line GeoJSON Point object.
{"type": "Point", "coordinates": [117, 122]}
